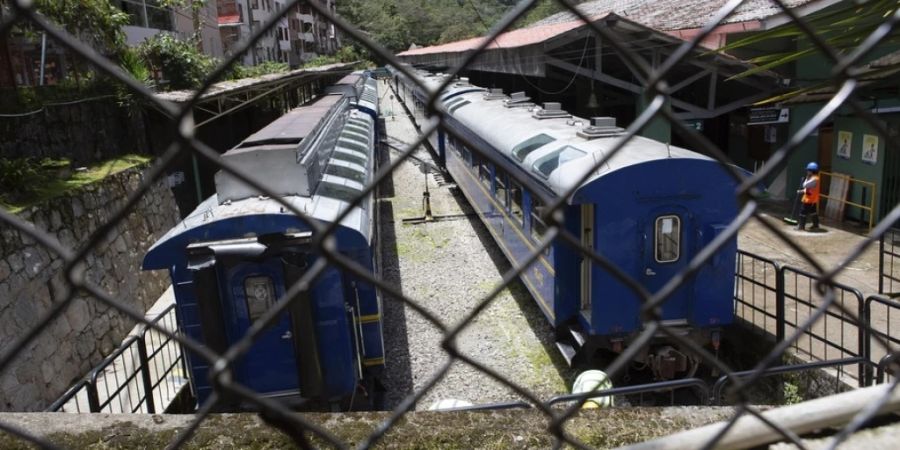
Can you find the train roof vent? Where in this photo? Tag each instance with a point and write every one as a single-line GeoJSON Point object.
{"type": "Point", "coordinates": [518, 100]}
{"type": "Point", "coordinates": [494, 94]}
{"type": "Point", "coordinates": [551, 110]}
{"type": "Point", "coordinates": [600, 127]}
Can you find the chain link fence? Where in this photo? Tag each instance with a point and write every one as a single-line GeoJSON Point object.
{"type": "Point", "coordinates": [845, 66]}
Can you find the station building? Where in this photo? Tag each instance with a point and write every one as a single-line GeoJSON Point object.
{"type": "Point", "coordinates": [563, 59]}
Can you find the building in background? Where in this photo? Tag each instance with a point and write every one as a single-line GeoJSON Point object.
{"type": "Point", "coordinates": [20, 55]}
{"type": "Point", "coordinates": [148, 19]}
{"type": "Point", "coordinates": [299, 35]}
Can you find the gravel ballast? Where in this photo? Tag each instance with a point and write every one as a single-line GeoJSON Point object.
{"type": "Point", "coordinates": [448, 267]}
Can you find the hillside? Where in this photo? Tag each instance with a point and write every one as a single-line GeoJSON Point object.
{"type": "Point", "coordinates": [397, 24]}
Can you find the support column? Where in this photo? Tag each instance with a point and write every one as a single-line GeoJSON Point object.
{"type": "Point", "coordinates": [659, 128]}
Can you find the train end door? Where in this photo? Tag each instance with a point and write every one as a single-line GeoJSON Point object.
{"type": "Point", "coordinates": [270, 365]}
{"type": "Point", "coordinates": [666, 253]}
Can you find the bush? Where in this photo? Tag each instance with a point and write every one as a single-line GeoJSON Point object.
{"type": "Point", "coordinates": [177, 62]}
{"type": "Point", "coordinates": [347, 53]}
{"type": "Point", "coordinates": [240, 71]}
{"type": "Point", "coordinates": [20, 177]}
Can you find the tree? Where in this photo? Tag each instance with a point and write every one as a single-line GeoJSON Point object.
{"type": "Point", "coordinates": [96, 22]}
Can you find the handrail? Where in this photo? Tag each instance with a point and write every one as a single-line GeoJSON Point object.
{"type": "Point", "coordinates": [864, 377]}
{"type": "Point", "coordinates": [140, 372]}
{"type": "Point", "coordinates": [70, 393]}
{"type": "Point", "coordinates": [720, 383]}
{"type": "Point", "coordinates": [874, 190]}
{"type": "Point", "coordinates": [669, 385]}
{"type": "Point", "coordinates": [889, 359]}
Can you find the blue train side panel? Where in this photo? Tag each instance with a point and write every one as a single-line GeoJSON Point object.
{"type": "Point", "coordinates": [239, 253]}
{"type": "Point", "coordinates": [698, 193]}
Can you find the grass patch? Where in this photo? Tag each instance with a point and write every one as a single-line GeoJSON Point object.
{"type": "Point", "coordinates": [52, 178]}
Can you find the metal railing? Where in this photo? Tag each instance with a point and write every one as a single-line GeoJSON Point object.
{"type": "Point", "coordinates": [718, 390]}
{"type": "Point", "coordinates": [140, 376]}
{"type": "Point", "coordinates": [883, 317]}
{"type": "Point", "coordinates": [839, 333]}
{"type": "Point", "coordinates": [758, 290]}
{"type": "Point", "coordinates": [889, 263]}
{"type": "Point", "coordinates": [838, 198]}
{"type": "Point", "coordinates": [655, 74]}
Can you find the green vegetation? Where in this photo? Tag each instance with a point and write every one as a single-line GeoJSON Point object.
{"type": "Point", "coordinates": [420, 430]}
{"type": "Point", "coordinates": [182, 65]}
{"type": "Point", "coordinates": [27, 181]}
{"type": "Point", "coordinates": [843, 28]}
{"type": "Point", "coordinates": [396, 24]}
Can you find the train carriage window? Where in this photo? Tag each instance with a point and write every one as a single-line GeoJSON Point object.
{"type": "Point", "coordinates": [338, 191]}
{"type": "Point", "coordinates": [352, 145]}
{"type": "Point", "coordinates": [515, 203]}
{"type": "Point", "coordinates": [458, 105]}
{"type": "Point", "coordinates": [346, 172]}
{"type": "Point", "coordinates": [484, 172]}
{"type": "Point", "coordinates": [467, 155]}
{"type": "Point", "coordinates": [500, 183]}
{"type": "Point", "coordinates": [538, 227]}
{"type": "Point", "coordinates": [350, 157]}
{"type": "Point", "coordinates": [549, 163]}
{"type": "Point", "coordinates": [355, 137]}
{"type": "Point", "coordinates": [668, 239]}
{"type": "Point", "coordinates": [259, 294]}
{"type": "Point", "coordinates": [522, 150]}
{"type": "Point", "coordinates": [358, 129]}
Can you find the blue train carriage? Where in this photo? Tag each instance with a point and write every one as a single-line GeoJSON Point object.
{"type": "Point", "coordinates": [239, 252]}
{"type": "Point", "coordinates": [416, 100]}
{"type": "Point", "coordinates": [650, 209]}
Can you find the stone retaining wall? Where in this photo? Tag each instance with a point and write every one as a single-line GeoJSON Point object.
{"type": "Point", "coordinates": [31, 281]}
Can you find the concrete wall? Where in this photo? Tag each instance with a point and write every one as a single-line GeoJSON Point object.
{"type": "Point", "coordinates": [31, 281]}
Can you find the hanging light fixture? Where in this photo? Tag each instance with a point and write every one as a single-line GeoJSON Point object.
{"type": "Point", "coordinates": [592, 99]}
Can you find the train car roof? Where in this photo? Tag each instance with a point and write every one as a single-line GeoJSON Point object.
{"type": "Point", "coordinates": [294, 126]}
{"type": "Point", "coordinates": [320, 183]}
{"type": "Point", "coordinates": [211, 218]}
{"type": "Point", "coordinates": [560, 156]}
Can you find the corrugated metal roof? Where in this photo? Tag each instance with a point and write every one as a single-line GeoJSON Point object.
{"type": "Point", "coordinates": [295, 125]}
{"type": "Point", "coordinates": [511, 39]}
{"type": "Point", "coordinates": [670, 15]}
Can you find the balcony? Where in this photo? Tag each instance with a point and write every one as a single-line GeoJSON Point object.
{"type": "Point", "coordinates": [308, 37]}
{"type": "Point", "coordinates": [306, 18]}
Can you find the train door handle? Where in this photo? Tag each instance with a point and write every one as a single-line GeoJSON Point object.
{"type": "Point", "coordinates": [649, 272]}
{"type": "Point", "coordinates": [287, 335]}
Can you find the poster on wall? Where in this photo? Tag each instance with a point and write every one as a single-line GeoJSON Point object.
{"type": "Point", "coordinates": [870, 149]}
{"type": "Point", "coordinates": [845, 140]}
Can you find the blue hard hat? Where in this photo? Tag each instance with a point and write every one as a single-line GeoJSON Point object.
{"type": "Point", "coordinates": [813, 167]}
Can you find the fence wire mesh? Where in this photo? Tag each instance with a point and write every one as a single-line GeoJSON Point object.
{"type": "Point", "coordinates": [846, 67]}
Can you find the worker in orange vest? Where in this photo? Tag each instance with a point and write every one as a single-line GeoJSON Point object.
{"type": "Point", "coordinates": [810, 199]}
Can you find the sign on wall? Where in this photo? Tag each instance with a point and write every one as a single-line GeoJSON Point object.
{"type": "Point", "coordinates": [845, 142]}
{"type": "Point", "coordinates": [762, 116]}
{"type": "Point", "coordinates": [870, 148]}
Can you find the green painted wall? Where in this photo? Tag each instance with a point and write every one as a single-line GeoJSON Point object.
{"type": "Point", "coordinates": [807, 151]}
{"type": "Point", "coordinates": [855, 166]}
{"type": "Point", "coordinates": [659, 128]}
